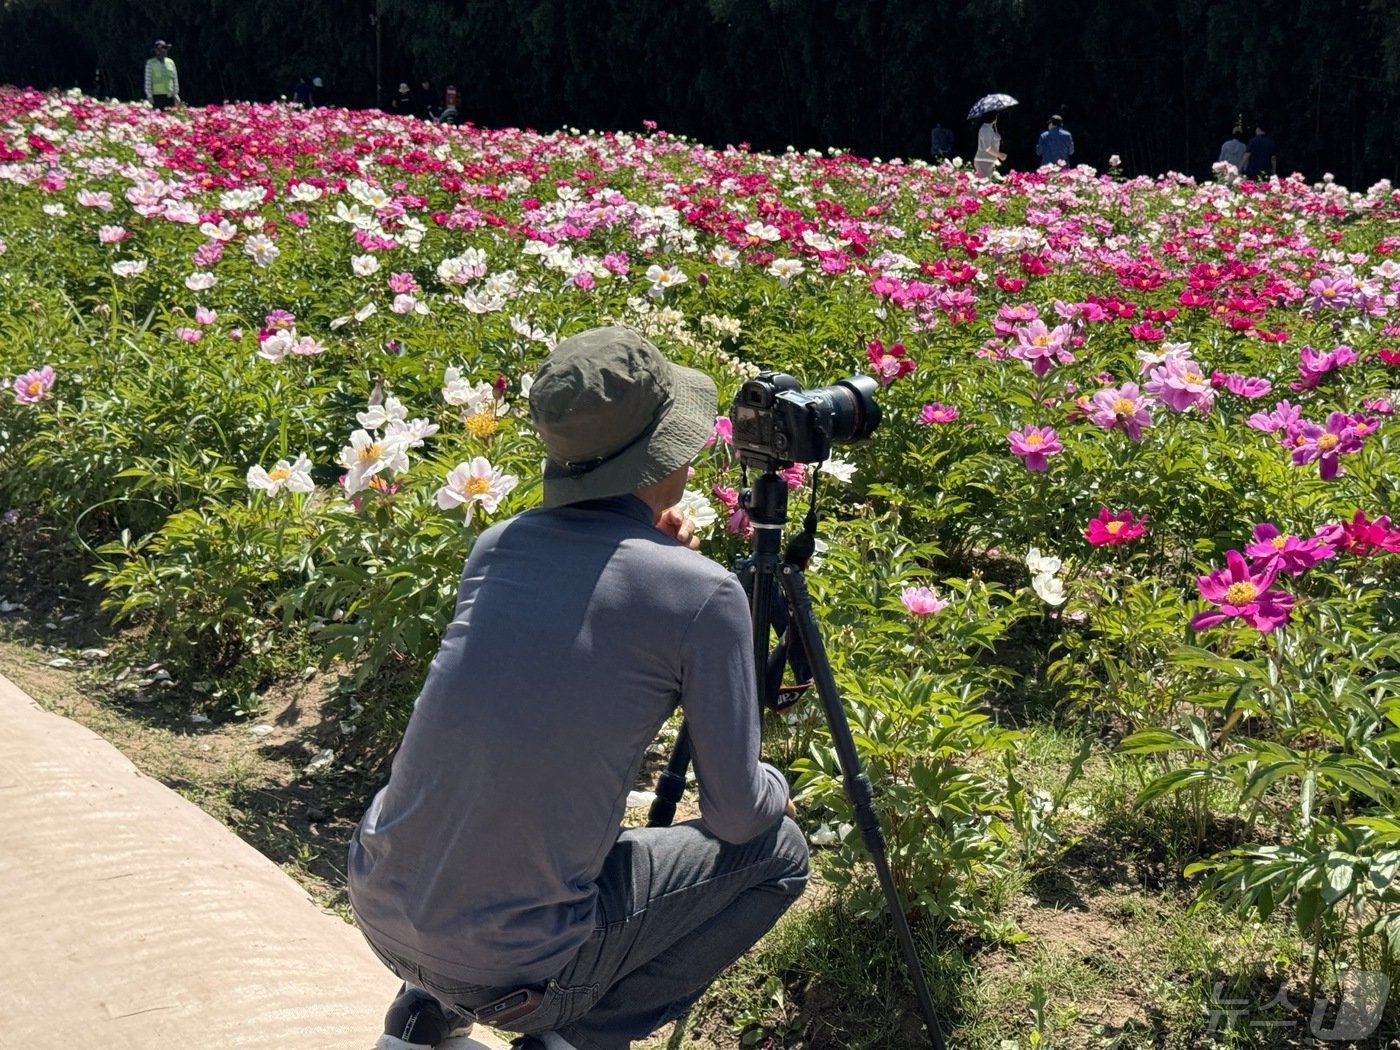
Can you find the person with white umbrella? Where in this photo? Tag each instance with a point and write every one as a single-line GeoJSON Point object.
{"type": "Point", "coordinates": [989, 153]}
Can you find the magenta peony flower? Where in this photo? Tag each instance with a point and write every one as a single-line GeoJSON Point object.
{"type": "Point", "coordinates": [1363, 537]}
{"type": "Point", "coordinates": [1035, 445]}
{"type": "Point", "coordinates": [1241, 592]}
{"type": "Point", "coordinates": [1113, 529]}
{"type": "Point", "coordinates": [1312, 444]}
{"type": "Point", "coordinates": [889, 364]}
{"type": "Point", "coordinates": [1286, 553]}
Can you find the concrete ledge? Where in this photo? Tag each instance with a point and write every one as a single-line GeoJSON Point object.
{"type": "Point", "coordinates": [130, 918]}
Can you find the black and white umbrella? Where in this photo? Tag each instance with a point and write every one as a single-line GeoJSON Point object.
{"type": "Point", "coordinates": [990, 104]}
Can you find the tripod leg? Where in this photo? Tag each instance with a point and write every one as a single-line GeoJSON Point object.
{"type": "Point", "coordinates": [857, 784]}
{"type": "Point", "coordinates": [670, 785]}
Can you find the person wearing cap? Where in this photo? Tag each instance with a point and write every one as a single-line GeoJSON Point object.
{"type": "Point", "coordinates": [1055, 145]}
{"type": "Point", "coordinates": [161, 80]}
{"type": "Point", "coordinates": [402, 102]}
{"type": "Point", "coordinates": [491, 869]}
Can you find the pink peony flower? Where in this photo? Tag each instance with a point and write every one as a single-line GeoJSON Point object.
{"type": "Point", "coordinates": [922, 601]}
{"type": "Point", "coordinates": [1035, 445]}
{"type": "Point", "coordinates": [1248, 387]}
{"type": "Point", "coordinates": [723, 432]}
{"type": "Point", "coordinates": [936, 413]}
{"type": "Point", "coordinates": [1121, 407]}
{"type": "Point", "coordinates": [1180, 384]}
{"type": "Point", "coordinates": [34, 385]}
{"type": "Point", "coordinates": [1112, 529]}
{"type": "Point", "coordinates": [1240, 591]}
{"type": "Point", "coordinates": [1283, 417]}
{"type": "Point", "coordinates": [1040, 347]}
{"type": "Point", "coordinates": [403, 283]}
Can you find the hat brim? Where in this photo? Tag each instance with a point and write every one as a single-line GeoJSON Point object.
{"type": "Point", "coordinates": [680, 431]}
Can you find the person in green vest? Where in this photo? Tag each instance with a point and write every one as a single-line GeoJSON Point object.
{"type": "Point", "coordinates": [162, 81]}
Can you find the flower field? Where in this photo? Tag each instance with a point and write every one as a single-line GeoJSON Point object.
{"type": "Point", "coordinates": [266, 374]}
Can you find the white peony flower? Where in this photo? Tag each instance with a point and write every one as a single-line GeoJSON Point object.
{"type": "Point", "coordinates": [129, 267]}
{"type": "Point", "coordinates": [476, 482]}
{"type": "Point", "coordinates": [367, 456]}
{"type": "Point", "coordinates": [697, 510]}
{"type": "Point", "coordinates": [294, 477]}
{"type": "Point", "coordinates": [364, 265]}
{"type": "Point", "coordinates": [1039, 564]}
{"type": "Point", "coordinates": [377, 415]}
{"type": "Point", "coordinates": [1051, 589]}
{"type": "Point", "coordinates": [839, 469]}
{"type": "Point", "coordinates": [260, 249]}
{"type": "Point", "coordinates": [200, 281]}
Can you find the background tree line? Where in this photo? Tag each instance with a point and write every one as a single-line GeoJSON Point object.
{"type": "Point", "coordinates": [1159, 84]}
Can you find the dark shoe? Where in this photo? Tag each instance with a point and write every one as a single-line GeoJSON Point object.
{"type": "Point", "coordinates": [417, 1021]}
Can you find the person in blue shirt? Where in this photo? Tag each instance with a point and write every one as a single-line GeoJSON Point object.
{"type": "Point", "coordinates": [1056, 145]}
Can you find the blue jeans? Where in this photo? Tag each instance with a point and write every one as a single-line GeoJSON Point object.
{"type": "Point", "coordinates": [675, 907]}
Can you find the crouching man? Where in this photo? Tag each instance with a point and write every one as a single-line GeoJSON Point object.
{"type": "Point", "coordinates": [490, 873]}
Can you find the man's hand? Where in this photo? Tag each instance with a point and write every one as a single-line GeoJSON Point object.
{"type": "Point", "coordinates": [676, 525]}
{"type": "Point", "coordinates": [790, 810]}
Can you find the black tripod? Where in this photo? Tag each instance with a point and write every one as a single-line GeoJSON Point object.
{"type": "Point", "coordinates": [766, 505]}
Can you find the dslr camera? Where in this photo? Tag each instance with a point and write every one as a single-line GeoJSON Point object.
{"type": "Point", "coordinates": [777, 423]}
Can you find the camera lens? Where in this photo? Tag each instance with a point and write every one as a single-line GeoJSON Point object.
{"type": "Point", "coordinates": [851, 407]}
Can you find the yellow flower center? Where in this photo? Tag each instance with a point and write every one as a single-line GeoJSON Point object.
{"type": "Point", "coordinates": [1034, 440]}
{"type": "Point", "coordinates": [1114, 527]}
{"type": "Point", "coordinates": [1327, 441]}
{"type": "Point", "coordinates": [1124, 406]}
{"type": "Point", "coordinates": [1241, 593]}
{"type": "Point", "coordinates": [369, 453]}
{"type": "Point", "coordinates": [481, 424]}
{"type": "Point", "coordinates": [1192, 377]}
{"type": "Point", "coordinates": [1279, 541]}
{"type": "Point", "coordinates": [279, 473]}
{"type": "Point", "coordinates": [478, 486]}
{"type": "Point", "coordinates": [1329, 293]}
{"type": "Point", "coordinates": [1041, 340]}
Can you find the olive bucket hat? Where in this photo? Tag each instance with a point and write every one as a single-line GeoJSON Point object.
{"type": "Point", "coordinates": [615, 415]}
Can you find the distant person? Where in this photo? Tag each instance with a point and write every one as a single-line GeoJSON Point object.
{"type": "Point", "coordinates": [303, 95]}
{"type": "Point", "coordinates": [941, 142]}
{"type": "Point", "coordinates": [1233, 150]}
{"type": "Point", "coordinates": [162, 80]}
{"type": "Point", "coordinates": [425, 100]}
{"type": "Point", "coordinates": [989, 153]}
{"type": "Point", "coordinates": [1260, 156]}
{"type": "Point", "coordinates": [1055, 145]}
{"type": "Point", "coordinates": [402, 102]}
{"type": "Point", "coordinates": [451, 106]}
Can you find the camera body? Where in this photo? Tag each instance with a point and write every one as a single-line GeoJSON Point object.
{"type": "Point", "coordinates": [777, 423]}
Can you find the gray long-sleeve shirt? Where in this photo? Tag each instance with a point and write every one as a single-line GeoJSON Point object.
{"type": "Point", "coordinates": [577, 632]}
